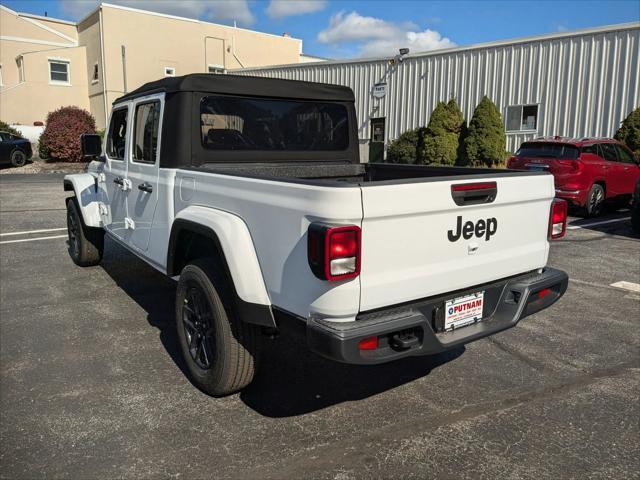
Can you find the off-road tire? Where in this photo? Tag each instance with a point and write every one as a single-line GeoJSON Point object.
{"type": "Point", "coordinates": [18, 158]}
{"type": "Point", "coordinates": [595, 201]}
{"type": "Point", "coordinates": [86, 244]}
{"type": "Point", "coordinates": [234, 345]}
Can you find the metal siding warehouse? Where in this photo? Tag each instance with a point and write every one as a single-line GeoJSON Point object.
{"type": "Point", "coordinates": [574, 84]}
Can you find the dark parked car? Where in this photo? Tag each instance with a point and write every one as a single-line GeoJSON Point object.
{"type": "Point", "coordinates": [14, 150]}
{"type": "Point", "coordinates": [635, 209]}
{"type": "Point", "coordinates": [586, 171]}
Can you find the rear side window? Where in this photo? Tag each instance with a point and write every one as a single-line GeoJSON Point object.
{"type": "Point", "coordinates": [245, 123]}
{"type": "Point", "coordinates": [145, 136]}
{"type": "Point", "coordinates": [593, 149]}
{"type": "Point", "coordinates": [623, 155]}
{"type": "Point", "coordinates": [548, 150]}
{"type": "Point", "coordinates": [116, 138]}
{"type": "Point", "coordinates": [609, 152]}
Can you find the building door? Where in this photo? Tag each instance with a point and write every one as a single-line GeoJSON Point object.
{"type": "Point", "coordinates": [376, 142]}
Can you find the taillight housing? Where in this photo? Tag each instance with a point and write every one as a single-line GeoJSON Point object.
{"type": "Point", "coordinates": [557, 219]}
{"type": "Point", "coordinates": [334, 251]}
{"type": "Point", "coordinates": [576, 165]}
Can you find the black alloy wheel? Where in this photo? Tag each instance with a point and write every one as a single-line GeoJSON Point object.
{"type": "Point", "coordinates": [198, 326]}
{"type": "Point", "coordinates": [18, 158]}
{"type": "Point", "coordinates": [595, 201]}
{"type": "Point", "coordinates": [73, 230]}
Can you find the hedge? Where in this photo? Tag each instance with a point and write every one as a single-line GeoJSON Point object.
{"type": "Point", "coordinates": [61, 137]}
{"type": "Point", "coordinates": [629, 132]}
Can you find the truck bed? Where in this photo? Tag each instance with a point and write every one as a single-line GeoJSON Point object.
{"type": "Point", "coordinates": [348, 174]}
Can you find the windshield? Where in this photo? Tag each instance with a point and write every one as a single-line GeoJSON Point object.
{"type": "Point", "coordinates": [548, 150]}
{"type": "Point", "coordinates": [244, 123]}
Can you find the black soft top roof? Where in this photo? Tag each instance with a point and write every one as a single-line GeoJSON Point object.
{"type": "Point", "coordinates": [243, 85]}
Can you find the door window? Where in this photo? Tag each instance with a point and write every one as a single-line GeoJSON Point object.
{"type": "Point", "coordinates": [116, 138]}
{"type": "Point", "coordinates": [145, 134]}
{"type": "Point", "coordinates": [609, 152]}
{"type": "Point", "coordinates": [624, 156]}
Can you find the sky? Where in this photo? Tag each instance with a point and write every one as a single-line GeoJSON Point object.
{"type": "Point", "coordinates": [351, 29]}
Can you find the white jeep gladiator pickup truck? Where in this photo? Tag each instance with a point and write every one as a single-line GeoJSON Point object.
{"type": "Point", "coordinates": [250, 192]}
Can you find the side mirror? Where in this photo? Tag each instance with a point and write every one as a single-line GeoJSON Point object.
{"type": "Point", "coordinates": [90, 145]}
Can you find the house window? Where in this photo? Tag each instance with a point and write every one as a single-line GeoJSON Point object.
{"type": "Point", "coordinates": [522, 118]}
{"type": "Point", "coordinates": [59, 71]}
{"type": "Point", "coordinates": [95, 77]}
{"type": "Point", "coordinates": [215, 69]}
{"type": "Point", "coordinates": [169, 72]}
{"type": "Point", "coordinates": [20, 62]}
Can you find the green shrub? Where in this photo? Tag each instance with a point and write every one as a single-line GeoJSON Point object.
{"type": "Point", "coordinates": [5, 127]}
{"type": "Point", "coordinates": [442, 136]}
{"type": "Point", "coordinates": [485, 143]}
{"type": "Point", "coordinates": [629, 131]}
{"type": "Point", "coordinates": [403, 148]}
{"type": "Point", "coordinates": [61, 137]}
{"type": "Point", "coordinates": [43, 151]}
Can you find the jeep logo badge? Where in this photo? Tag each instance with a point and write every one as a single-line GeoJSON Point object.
{"type": "Point", "coordinates": [486, 228]}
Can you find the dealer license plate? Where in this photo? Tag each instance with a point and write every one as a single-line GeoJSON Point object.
{"type": "Point", "coordinates": [463, 311]}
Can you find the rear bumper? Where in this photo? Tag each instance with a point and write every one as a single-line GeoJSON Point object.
{"type": "Point", "coordinates": [575, 197]}
{"type": "Point", "coordinates": [506, 303]}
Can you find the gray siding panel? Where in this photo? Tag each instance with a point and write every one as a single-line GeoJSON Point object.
{"type": "Point", "coordinates": [585, 84]}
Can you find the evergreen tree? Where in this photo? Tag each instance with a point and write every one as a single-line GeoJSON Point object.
{"type": "Point", "coordinates": [403, 148]}
{"type": "Point", "coordinates": [442, 135]}
{"type": "Point", "coordinates": [485, 144]}
{"type": "Point", "coordinates": [629, 132]}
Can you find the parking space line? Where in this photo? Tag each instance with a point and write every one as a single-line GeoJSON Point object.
{"type": "Point", "coordinates": [602, 222]}
{"type": "Point", "coordinates": [33, 239]}
{"type": "Point", "coordinates": [28, 232]}
{"type": "Point", "coordinates": [632, 287]}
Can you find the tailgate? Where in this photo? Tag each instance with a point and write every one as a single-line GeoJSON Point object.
{"type": "Point", "coordinates": [413, 235]}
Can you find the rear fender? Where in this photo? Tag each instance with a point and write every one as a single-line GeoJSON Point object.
{"type": "Point", "coordinates": [232, 238]}
{"type": "Point", "coordinates": [85, 187]}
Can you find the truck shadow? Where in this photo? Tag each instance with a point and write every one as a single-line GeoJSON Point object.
{"type": "Point", "coordinates": [291, 380]}
{"type": "Point", "coordinates": [151, 290]}
{"type": "Point", "coordinates": [294, 381]}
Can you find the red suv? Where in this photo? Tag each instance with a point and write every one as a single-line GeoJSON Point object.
{"type": "Point", "coordinates": [586, 171]}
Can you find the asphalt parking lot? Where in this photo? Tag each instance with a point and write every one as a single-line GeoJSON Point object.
{"type": "Point", "coordinates": [92, 386]}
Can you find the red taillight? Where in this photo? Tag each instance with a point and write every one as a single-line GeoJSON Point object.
{"type": "Point", "coordinates": [370, 343]}
{"type": "Point", "coordinates": [543, 293]}
{"type": "Point", "coordinates": [511, 162]}
{"type": "Point", "coordinates": [557, 219]}
{"type": "Point", "coordinates": [334, 252]}
{"type": "Point", "coordinates": [576, 165]}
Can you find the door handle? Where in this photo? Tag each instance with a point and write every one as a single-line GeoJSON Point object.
{"type": "Point", "coordinates": [145, 187]}
{"type": "Point", "coordinates": [118, 181]}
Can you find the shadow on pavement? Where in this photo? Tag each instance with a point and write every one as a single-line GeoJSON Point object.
{"type": "Point", "coordinates": [294, 381]}
{"type": "Point", "coordinates": [291, 380]}
{"type": "Point", "coordinates": [153, 291]}
{"type": "Point", "coordinates": [612, 222]}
